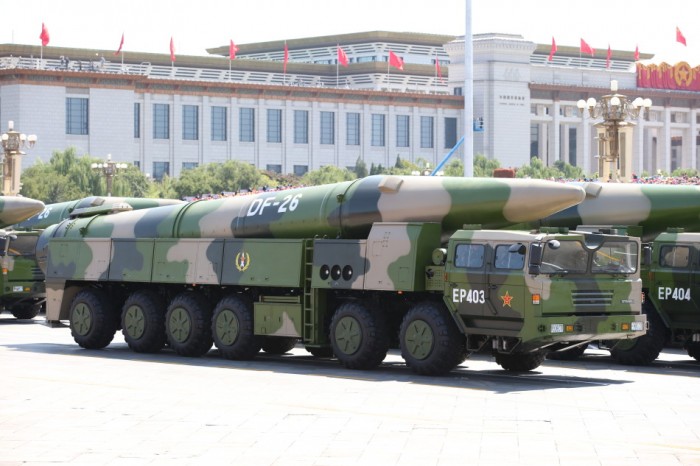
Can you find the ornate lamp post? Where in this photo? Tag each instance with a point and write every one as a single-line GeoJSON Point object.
{"type": "Point", "coordinates": [615, 109]}
{"type": "Point", "coordinates": [12, 144]}
{"type": "Point", "coordinates": [109, 169]}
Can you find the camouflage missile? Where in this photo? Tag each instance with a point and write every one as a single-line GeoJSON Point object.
{"type": "Point", "coordinates": [654, 207]}
{"type": "Point", "coordinates": [55, 213]}
{"type": "Point", "coordinates": [342, 210]}
{"type": "Point", "coordinates": [14, 209]}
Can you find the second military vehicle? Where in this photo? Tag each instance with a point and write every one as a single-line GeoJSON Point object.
{"type": "Point", "coordinates": [346, 269]}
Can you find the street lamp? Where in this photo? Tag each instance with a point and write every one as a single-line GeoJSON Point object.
{"type": "Point", "coordinates": [12, 144]}
{"type": "Point", "coordinates": [615, 109]}
{"type": "Point", "coordinates": [109, 169]}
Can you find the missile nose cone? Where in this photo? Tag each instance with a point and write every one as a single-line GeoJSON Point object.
{"type": "Point", "coordinates": [16, 209]}
{"type": "Point", "coordinates": [540, 198]}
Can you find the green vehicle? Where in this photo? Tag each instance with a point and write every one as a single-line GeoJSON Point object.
{"type": "Point", "coordinates": [22, 288]}
{"type": "Point", "coordinates": [22, 281]}
{"type": "Point", "coordinates": [346, 270]}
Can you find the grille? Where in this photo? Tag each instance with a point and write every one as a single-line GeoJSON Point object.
{"type": "Point", "coordinates": [591, 298]}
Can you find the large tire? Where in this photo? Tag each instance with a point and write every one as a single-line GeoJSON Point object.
{"type": "Point", "coordinates": [93, 321]}
{"type": "Point", "coordinates": [233, 328]}
{"type": "Point", "coordinates": [358, 336]}
{"type": "Point", "coordinates": [520, 362]}
{"type": "Point", "coordinates": [26, 311]}
{"type": "Point", "coordinates": [431, 343]}
{"type": "Point", "coordinates": [278, 345]}
{"type": "Point", "coordinates": [188, 324]}
{"type": "Point", "coordinates": [643, 350]}
{"type": "Point", "coordinates": [143, 321]}
{"type": "Point", "coordinates": [693, 349]}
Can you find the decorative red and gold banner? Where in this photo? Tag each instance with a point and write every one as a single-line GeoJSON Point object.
{"type": "Point", "coordinates": [678, 77]}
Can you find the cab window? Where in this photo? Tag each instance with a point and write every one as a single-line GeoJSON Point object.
{"type": "Point", "coordinates": [469, 256]}
{"type": "Point", "coordinates": [677, 257]}
{"type": "Point", "coordinates": [508, 259]}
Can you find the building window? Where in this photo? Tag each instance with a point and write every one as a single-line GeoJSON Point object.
{"type": "Point", "coordinates": [160, 169]}
{"type": "Point", "coordinates": [189, 165]}
{"type": "Point", "coordinates": [534, 139]}
{"type": "Point", "coordinates": [161, 122]}
{"type": "Point", "coordinates": [76, 115]}
{"type": "Point", "coordinates": [246, 125]}
{"type": "Point", "coordinates": [378, 130]}
{"type": "Point", "coordinates": [219, 123]}
{"type": "Point", "coordinates": [403, 132]}
{"type": "Point", "coordinates": [301, 127]}
{"type": "Point", "coordinates": [450, 132]}
{"type": "Point", "coordinates": [190, 122]}
{"type": "Point", "coordinates": [352, 129]}
{"type": "Point", "coordinates": [427, 131]}
{"type": "Point", "coordinates": [137, 120]}
{"type": "Point", "coordinates": [457, 91]}
{"type": "Point", "coordinates": [327, 128]}
{"type": "Point", "coordinates": [274, 125]}
{"type": "Point", "coordinates": [300, 170]}
{"type": "Point", "coordinates": [274, 168]}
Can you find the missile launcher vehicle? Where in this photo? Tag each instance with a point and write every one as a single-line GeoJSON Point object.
{"type": "Point", "coordinates": [22, 289]}
{"type": "Point", "coordinates": [346, 269]}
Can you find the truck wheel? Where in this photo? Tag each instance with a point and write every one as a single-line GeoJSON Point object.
{"type": "Point", "coordinates": [520, 362]}
{"type": "Point", "coordinates": [188, 324]}
{"type": "Point", "coordinates": [26, 311]}
{"type": "Point", "coordinates": [693, 349]}
{"type": "Point", "coordinates": [279, 345]}
{"type": "Point", "coordinates": [430, 342]}
{"type": "Point", "coordinates": [143, 321]}
{"type": "Point", "coordinates": [643, 350]}
{"type": "Point", "coordinates": [92, 319]}
{"type": "Point", "coordinates": [233, 329]}
{"type": "Point", "coordinates": [358, 336]}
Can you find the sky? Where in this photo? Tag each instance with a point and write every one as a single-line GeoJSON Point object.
{"type": "Point", "coordinates": [148, 25]}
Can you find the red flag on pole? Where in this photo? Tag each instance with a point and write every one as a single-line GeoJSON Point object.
{"type": "Point", "coordinates": [585, 48]}
{"type": "Point", "coordinates": [232, 49]}
{"type": "Point", "coordinates": [636, 53]}
{"type": "Point", "coordinates": [44, 36]}
{"type": "Point", "coordinates": [395, 60]}
{"type": "Point", "coordinates": [172, 49]}
{"type": "Point", "coordinates": [342, 57]}
{"type": "Point", "coordinates": [286, 57]}
{"type": "Point", "coordinates": [553, 50]}
{"type": "Point", "coordinates": [438, 71]}
{"type": "Point", "coordinates": [607, 59]}
{"type": "Point", "coordinates": [679, 36]}
{"type": "Point", "coordinates": [121, 44]}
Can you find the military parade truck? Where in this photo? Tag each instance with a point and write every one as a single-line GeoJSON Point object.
{"type": "Point", "coordinates": [346, 269]}
{"type": "Point", "coordinates": [22, 290]}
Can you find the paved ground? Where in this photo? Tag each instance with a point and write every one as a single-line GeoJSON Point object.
{"type": "Point", "coordinates": [61, 404]}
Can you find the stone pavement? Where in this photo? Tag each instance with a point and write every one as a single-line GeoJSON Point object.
{"type": "Point", "coordinates": [60, 404]}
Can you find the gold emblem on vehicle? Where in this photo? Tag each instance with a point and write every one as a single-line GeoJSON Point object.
{"type": "Point", "coordinates": [242, 261]}
{"type": "Point", "coordinates": [507, 298]}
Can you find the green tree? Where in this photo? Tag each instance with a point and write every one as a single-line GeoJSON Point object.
{"type": "Point", "coordinates": [360, 168]}
{"type": "Point", "coordinates": [484, 167]}
{"type": "Point", "coordinates": [327, 174]}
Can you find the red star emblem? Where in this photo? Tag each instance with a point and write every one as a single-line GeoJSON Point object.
{"type": "Point", "coordinates": [506, 299]}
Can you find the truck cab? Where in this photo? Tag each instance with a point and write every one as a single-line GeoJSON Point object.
{"type": "Point", "coordinates": [22, 290]}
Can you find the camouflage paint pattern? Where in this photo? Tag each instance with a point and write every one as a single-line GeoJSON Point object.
{"type": "Point", "coordinates": [14, 209]}
{"type": "Point", "coordinates": [651, 206]}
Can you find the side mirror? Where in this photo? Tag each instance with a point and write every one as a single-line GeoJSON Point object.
{"type": "Point", "coordinates": [517, 247]}
{"type": "Point", "coordinates": [554, 244]}
{"type": "Point", "coordinates": [646, 254]}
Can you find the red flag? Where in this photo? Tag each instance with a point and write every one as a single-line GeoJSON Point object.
{"type": "Point", "coordinates": [286, 57]}
{"type": "Point", "coordinates": [232, 49]}
{"type": "Point", "coordinates": [636, 53]}
{"type": "Point", "coordinates": [438, 71]}
{"type": "Point", "coordinates": [585, 48]}
{"type": "Point", "coordinates": [679, 37]}
{"type": "Point", "coordinates": [172, 49]}
{"type": "Point", "coordinates": [121, 44]}
{"type": "Point", "coordinates": [342, 57]}
{"type": "Point", "coordinates": [395, 60]}
{"type": "Point", "coordinates": [607, 59]}
{"type": "Point", "coordinates": [44, 36]}
{"type": "Point", "coordinates": [553, 50]}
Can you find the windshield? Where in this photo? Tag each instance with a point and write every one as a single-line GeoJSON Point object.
{"type": "Point", "coordinates": [616, 257]}
{"type": "Point", "coordinates": [613, 256]}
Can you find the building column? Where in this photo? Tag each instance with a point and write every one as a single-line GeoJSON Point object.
{"type": "Point", "coordinates": [554, 149]}
{"type": "Point", "coordinates": [666, 141]}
